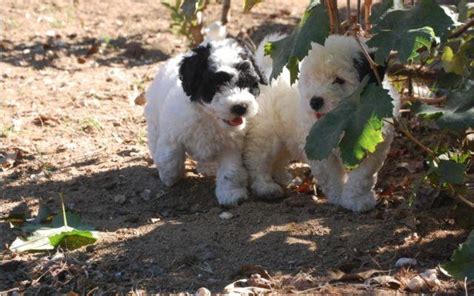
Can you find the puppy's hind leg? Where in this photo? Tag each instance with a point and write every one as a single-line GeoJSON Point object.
{"type": "Point", "coordinates": [358, 194]}
{"type": "Point", "coordinates": [169, 158]}
{"type": "Point", "coordinates": [231, 183]}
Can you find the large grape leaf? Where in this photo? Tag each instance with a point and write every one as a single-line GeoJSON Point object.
{"type": "Point", "coordinates": [451, 172]}
{"type": "Point", "coordinates": [407, 30]}
{"type": "Point", "coordinates": [457, 115]}
{"type": "Point", "coordinates": [313, 27]}
{"type": "Point", "coordinates": [461, 265]}
{"type": "Point", "coordinates": [355, 125]}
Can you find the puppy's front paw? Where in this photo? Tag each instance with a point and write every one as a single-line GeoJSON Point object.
{"type": "Point", "coordinates": [268, 190]}
{"type": "Point", "coordinates": [359, 203]}
{"type": "Point", "coordinates": [169, 180]}
{"type": "Point", "coordinates": [231, 197]}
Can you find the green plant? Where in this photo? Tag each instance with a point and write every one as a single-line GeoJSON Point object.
{"type": "Point", "coordinates": [187, 16]}
{"type": "Point", "coordinates": [421, 43]}
{"type": "Point", "coordinates": [47, 232]}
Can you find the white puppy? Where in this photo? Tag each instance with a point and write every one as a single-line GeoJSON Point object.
{"type": "Point", "coordinates": [199, 104]}
{"type": "Point", "coordinates": [278, 133]}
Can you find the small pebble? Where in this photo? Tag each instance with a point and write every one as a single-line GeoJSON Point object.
{"type": "Point", "coordinates": [154, 220]}
{"type": "Point", "coordinates": [202, 292]}
{"type": "Point", "coordinates": [146, 194]}
{"type": "Point", "coordinates": [120, 198]}
{"type": "Point", "coordinates": [406, 262]}
{"type": "Point", "coordinates": [160, 193]}
{"type": "Point", "coordinates": [226, 215]}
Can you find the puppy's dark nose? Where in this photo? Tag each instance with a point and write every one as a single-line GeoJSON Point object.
{"type": "Point", "coordinates": [316, 103]}
{"type": "Point", "coordinates": [240, 109]}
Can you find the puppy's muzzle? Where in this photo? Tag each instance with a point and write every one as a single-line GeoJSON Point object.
{"type": "Point", "coordinates": [316, 103]}
{"type": "Point", "coordinates": [239, 109]}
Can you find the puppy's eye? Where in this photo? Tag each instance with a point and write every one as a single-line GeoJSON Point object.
{"type": "Point", "coordinates": [338, 80]}
{"type": "Point", "coordinates": [255, 90]}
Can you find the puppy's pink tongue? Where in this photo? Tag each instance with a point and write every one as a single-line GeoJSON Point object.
{"type": "Point", "coordinates": [236, 121]}
{"type": "Point", "coordinates": [319, 115]}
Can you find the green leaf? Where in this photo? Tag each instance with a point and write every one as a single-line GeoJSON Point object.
{"type": "Point", "coordinates": [379, 9]}
{"type": "Point", "coordinates": [407, 43]}
{"type": "Point", "coordinates": [249, 4]}
{"type": "Point", "coordinates": [461, 265]}
{"type": "Point", "coordinates": [72, 239]}
{"type": "Point", "coordinates": [355, 125]}
{"type": "Point", "coordinates": [457, 115]}
{"type": "Point", "coordinates": [49, 238]}
{"type": "Point", "coordinates": [313, 27]}
{"type": "Point", "coordinates": [451, 172]}
{"type": "Point", "coordinates": [74, 235]}
{"type": "Point", "coordinates": [408, 30]}
{"type": "Point", "coordinates": [190, 7]}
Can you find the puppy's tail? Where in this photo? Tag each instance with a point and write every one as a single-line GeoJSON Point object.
{"type": "Point", "coordinates": [265, 63]}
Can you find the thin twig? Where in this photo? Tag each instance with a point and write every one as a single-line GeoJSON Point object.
{"type": "Point", "coordinates": [407, 70]}
{"type": "Point", "coordinates": [433, 101]}
{"type": "Point", "coordinates": [460, 196]}
{"type": "Point", "coordinates": [358, 11]}
{"type": "Point", "coordinates": [348, 9]}
{"type": "Point", "coordinates": [405, 131]}
{"type": "Point", "coordinates": [8, 291]}
{"type": "Point", "coordinates": [465, 286]}
{"type": "Point", "coordinates": [225, 11]}
{"type": "Point", "coordinates": [462, 29]}
{"type": "Point", "coordinates": [372, 64]}
{"type": "Point", "coordinates": [367, 11]}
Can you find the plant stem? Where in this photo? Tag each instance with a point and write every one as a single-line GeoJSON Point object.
{"type": "Point", "coordinates": [64, 209]}
{"type": "Point", "coordinates": [412, 138]}
{"type": "Point", "coordinates": [460, 197]}
{"type": "Point", "coordinates": [372, 64]}
{"type": "Point", "coordinates": [462, 29]}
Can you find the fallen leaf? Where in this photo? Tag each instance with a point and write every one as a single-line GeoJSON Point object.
{"type": "Point", "coordinates": [241, 287]}
{"type": "Point", "coordinates": [383, 281]}
{"type": "Point", "coordinates": [8, 159]}
{"type": "Point", "coordinates": [65, 230]}
{"type": "Point", "coordinates": [43, 120]}
{"type": "Point", "coordinates": [340, 276]}
{"type": "Point", "coordinates": [140, 100]}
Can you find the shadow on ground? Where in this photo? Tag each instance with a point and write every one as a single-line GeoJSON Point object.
{"type": "Point", "coordinates": [124, 50]}
{"type": "Point", "coordinates": [190, 246]}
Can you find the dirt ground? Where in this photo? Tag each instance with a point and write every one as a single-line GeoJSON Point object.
{"type": "Point", "coordinates": [68, 77]}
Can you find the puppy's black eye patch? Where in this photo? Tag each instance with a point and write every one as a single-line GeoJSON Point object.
{"type": "Point", "coordinates": [220, 78]}
{"type": "Point", "coordinates": [243, 66]}
{"type": "Point", "coordinates": [338, 80]}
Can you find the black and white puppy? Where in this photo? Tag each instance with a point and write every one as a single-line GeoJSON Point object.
{"type": "Point", "coordinates": [199, 103]}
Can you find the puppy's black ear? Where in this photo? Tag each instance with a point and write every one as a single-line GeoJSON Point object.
{"type": "Point", "coordinates": [362, 66]}
{"type": "Point", "coordinates": [192, 69]}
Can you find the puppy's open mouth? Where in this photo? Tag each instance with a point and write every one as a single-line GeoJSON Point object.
{"type": "Point", "coordinates": [234, 122]}
{"type": "Point", "coordinates": [319, 114]}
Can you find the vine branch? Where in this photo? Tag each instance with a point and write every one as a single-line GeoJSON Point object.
{"type": "Point", "coordinates": [372, 64]}
{"type": "Point", "coordinates": [462, 29]}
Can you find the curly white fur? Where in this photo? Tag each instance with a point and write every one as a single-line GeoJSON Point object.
{"type": "Point", "coordinates": [177, 125]}
{"type": "Point", "coordinates": [278, 133]}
